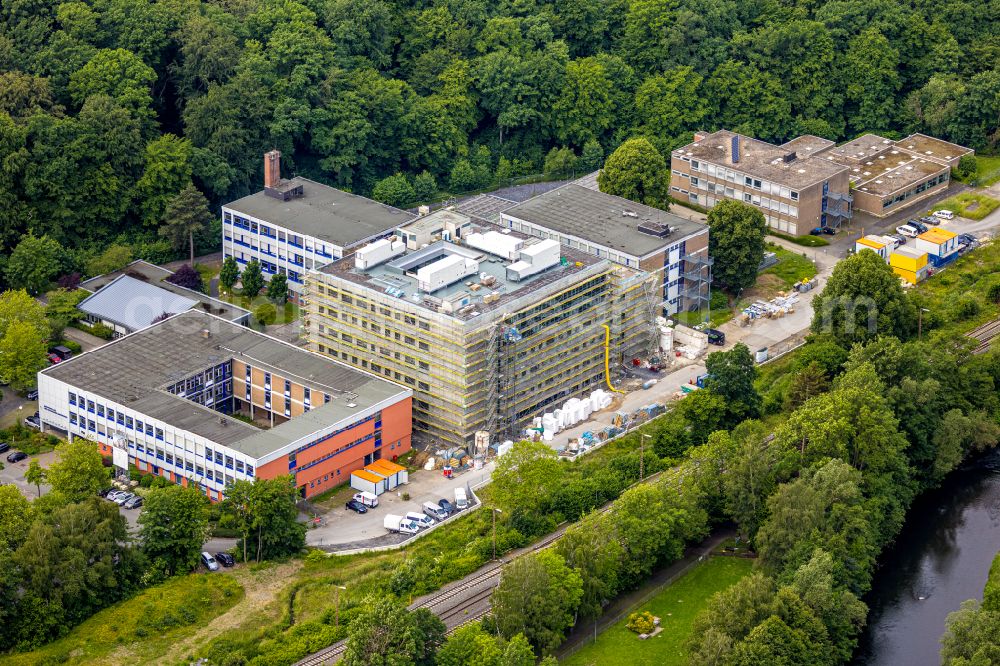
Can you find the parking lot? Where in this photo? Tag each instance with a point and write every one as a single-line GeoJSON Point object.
{"type": "Point", "coordinates": [343, 526]}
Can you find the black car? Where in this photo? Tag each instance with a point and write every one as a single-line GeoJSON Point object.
{"type": "Point", "coordinates": [355, 505]}
{"type": "Point", "coordinates": [446, 506]}
{"type": "Point", "coordinates": [33, 394]}
{"type": "Point", "coordinates": [829, 231]}
{"type": "Point", "coordinates": [715, 337]}
{"type": "Point", "coordinates": [919, 226]}
{"type": "Point", "coordinates": [225, 559]}
{"type": "Point", "coordinates": [17, 456]}
{"type": "Point", "coordinates": [4, 447]}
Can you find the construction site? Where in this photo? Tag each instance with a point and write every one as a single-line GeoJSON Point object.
{"type": "Point", "coordinates": [491, 328]}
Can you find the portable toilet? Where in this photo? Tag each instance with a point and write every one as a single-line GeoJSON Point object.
{"type": "Point", "coordinates": [909, 264]}
{"type": "Point", "coordinates": [875, 244]}
{"type": "Point", "coordinates": [367, 482]}
{"type": "Point", "coordinates": [940, 245]}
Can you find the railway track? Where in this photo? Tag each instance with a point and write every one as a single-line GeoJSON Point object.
{"type": "Point", "coordinates": [465, 595]}
{"type": "Point", "coordinates": [984, 335]}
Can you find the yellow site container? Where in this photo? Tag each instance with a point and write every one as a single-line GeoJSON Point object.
{"type": "Point", "coordinates": [909, 264]}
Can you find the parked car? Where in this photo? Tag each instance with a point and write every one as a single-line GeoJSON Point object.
{"type": "Point", "coordinates": [32, 394]}
{"type": "Point", "coordinates": [122, 499]}
{"type": "Point", "coordinates": [62, 351]}
{"type": "Point", "coordinates": [715, 337]}
{"type": "Point", "coordinates": [931, 220]}
{"type": "Point", "coordinates": [112, 495]}
{"type": "Point", "coordinates": [908, 231]}
{"type": "Point", "coordinates": [225, 559]}
{"type": "Point", "coordinates": [421, 519]}
{"type": "Point", "coordinates": [209, 562]}
{"type": "Point", "coordinates": [918, 225]}
{"type": "Point", "coordinates": [967, 238]}
{"type": "Point", "coordinates": [54, 358]}
{"type": "Point", "coordinates": [446, 506]}
{"type": "Point", "coordinates": [355, 505]}
{"type": "Point", "coordinates": [17, 456]}
{"type": "Point", "coordinates": [134, 503]}
{"type": "Point", "coordinates": [33, 422]}
{"type": "Point", "coordinates": [461, 502]}
{"type": "Point", "coordinates": [366, 498]}
{"type": "Point", "coordinates": [105, 492]}
{"type": "Point", "coordinates": [899, 237]}
{"type": "Point", "coordinates": [399, 524]}
{"type": "Point", "coordinates": [943, 214]}
{"type": "Point", "coordinates": [434, 511]}
{"type": "Point", "coordinates": [4, 447]}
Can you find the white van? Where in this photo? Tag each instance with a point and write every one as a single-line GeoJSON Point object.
{"type": "Point", "coordinates": [434, 511]}
{"type": "Point", "coordinates": [422, 520]}
{"type": "Point", "coordinates": [461, 503]}
{"type": "Point", "coordinates": [366, 498]}
{"type": "Point", "coordinates": [908, 231]}
{"type": "Point", "coordinates": [399, 524]}
{"type": "Point", "coordinates": [943, 214]}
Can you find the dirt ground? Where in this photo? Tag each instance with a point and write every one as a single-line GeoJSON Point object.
{"type": "Point", "coordinates": [262, 589]}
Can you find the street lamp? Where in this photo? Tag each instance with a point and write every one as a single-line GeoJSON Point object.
{"type": "Point", "coordinates": [336, 604]}
{"type": "Point", "coordinates": [494, 513]}
{"type": "Point", "coordinates": [920, 321]}
{"type": "Point", "coordinates": [642, 456]}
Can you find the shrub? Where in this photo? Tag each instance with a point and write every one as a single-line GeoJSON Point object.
{"type": "Point", "coordinates": [965, 307]}
{"type": "Point", "coordinates": [187, 277]}
{"type": "Point", "coordinates": [993, 293]}
{"type": "Point", "coordinates": [102, 331]}
{"type": "Point", "coordinates": [265, 313]}
{"type": "Point", "coordinates": [641, 623]}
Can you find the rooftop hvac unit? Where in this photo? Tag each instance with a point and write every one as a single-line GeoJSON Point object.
{"type": "Point", "coordinates": [651, 228]}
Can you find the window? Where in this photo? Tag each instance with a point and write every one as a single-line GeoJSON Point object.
{"type": "Point", "coordinates": [128, 422]}
{"type": "Point", "coordinates": [159, 433]}
{"type": "Point", "coordinates": [72, 417]}
{"type": "Point", "coordinates": [229, 462]}
{"type": "Point", "coordinates": [100, 410]}
{"type": "Point", "coordinates": [267, 380]}
{"type": "Point", "coordinates": [90, 405]}
{"type": "Point", "coordinates": [795, 196]}
{"type": "Point", "coordinates": [210, 475]}
{"type": "Point", "coordinates": [72, 398]}
{"type": "Point", "coordinates": [208, 454]}
{"type": "Point", "coordinates": [218, 458]}
{"type": "Point", "coordinates": [288, 388]}
{"type": "Point", "coordinates": [188, 465]}
{"type": "Point", "coordinates": [199, 470]}
{"type": "Point", "coordinates": [326, 398]}
{"type": "Point", "coordinates": [306, 395]}
{"type": "Point", "coordinates": [138, 425]}
{"type": "Point", "coordinates": [249, 470]}
{"type": "Point", "coordinates": [239, 465]}
{"type": "Point", "coordinates": [121, 418]}
{"type": "Point", "coordinates": [149, 429]}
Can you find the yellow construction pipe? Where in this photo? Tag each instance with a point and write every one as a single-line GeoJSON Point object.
{"type": "Point", "coordinates": [607, 356]}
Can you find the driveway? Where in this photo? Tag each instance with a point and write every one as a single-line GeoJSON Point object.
{"type": "Point", "coordinates": [87, 341]}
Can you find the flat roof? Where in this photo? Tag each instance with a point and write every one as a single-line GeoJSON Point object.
{"type": "Point", "coordinates": [133, 303]}
{"type": "Point", "coordinates": [156, 276]}
{"type": "Point", "coordinates": [897, 172]}
{"type": "Point", "coordinates": [603, 219]}
{"type": "Point", "coordinates": [807, 145]}
{"type": "Point", "coordinates": [135, 370]}
{"type": "Point", "coordinates": [862, 149]}
{"type": "Point", "coordinates": [485, 207]}
{"type": "Point", "coordinates": [367, 475]}
{"type": "Point", "coordinates": [762, 159]}
{"type": "Point", "coordinates": [937, 235]}
{"type": "Point", "coordinates": [871, 242]}
{"type": "Point", "coordinates": [909, 252]}
{"type": "Point", "coordinates": [932, 148]}
{"type": "Point", "coordinates": [324, 212]}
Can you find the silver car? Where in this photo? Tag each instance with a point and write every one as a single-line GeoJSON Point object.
{"type": "Point", "coordinates": [209, 562]}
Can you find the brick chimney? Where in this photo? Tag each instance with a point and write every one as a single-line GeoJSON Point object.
{"type": "Point", "coordinates": [272, 169]}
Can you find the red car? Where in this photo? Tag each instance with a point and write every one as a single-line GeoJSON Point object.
{"type": "Point", "coordinates": [54, 358]}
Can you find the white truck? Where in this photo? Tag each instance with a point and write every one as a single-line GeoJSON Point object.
{"type": "Point", "coordinates": [461, 502]}
{"type": "Point", "coordinates": [399, 524]}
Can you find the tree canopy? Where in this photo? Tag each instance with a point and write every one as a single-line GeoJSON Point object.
{"type": "Point", "coordinates": [736, 242]}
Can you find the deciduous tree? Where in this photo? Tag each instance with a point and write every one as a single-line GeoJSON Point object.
{"type": "Point", "coordinates": [637, 171]}
{"type": "Point", "coordinates": [34, 263]}
{"type": "Point", "coordinates": [79, 472]}
{"type": "Point", "coordinates": [229, 274]}
{"type": "Point", "coordinates": [22, 354]}
{"type": "Point", "coordinates": [252, 279]}
{"type": "Point", "coordinates": [736, 242]}
{"type": "Point", "coordinates": [277, 288]}
{"type": "Point", "coordinates": [173, 527]}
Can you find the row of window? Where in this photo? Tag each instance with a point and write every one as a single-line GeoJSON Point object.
{"type": "Point", "coordinates": [903, 196]}
{"type": "Point", "coordinates": [723, 173]}
{"type": "Point", "coordinates": [292, 457]}
{"type": "Point", "coordinates": [264, 230]}
{"type": "Point", "coordinates": [267, 267]}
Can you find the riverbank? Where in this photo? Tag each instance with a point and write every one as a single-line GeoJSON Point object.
{"type": "Point", "coordinates": [941, 558]}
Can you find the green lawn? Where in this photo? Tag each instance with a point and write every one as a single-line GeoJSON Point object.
{"type": "Point", "coordinates": [805, 241]}
{"type": "Point", "coordinates": [148, 624]}
{"type": "Point", "coordinates": [791, 267]}
{"type": "Point", "coordinates": [676, 606]}
{"type": "Point", "coordinates": [969, 205]}
{"type": "Point", "coordinates": [987, 169]}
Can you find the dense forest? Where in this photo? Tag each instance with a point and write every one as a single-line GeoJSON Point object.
{"type": "Point", "coordinates": [108, 108]}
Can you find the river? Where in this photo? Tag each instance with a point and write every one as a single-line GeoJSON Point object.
{"type": "Point", "coordinates": [942, 558]}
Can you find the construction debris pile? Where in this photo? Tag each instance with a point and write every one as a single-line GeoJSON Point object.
{"type": "Point", "coordinates": [777, 307]}
{"type": "Point", "coordinates": [572, 412]}
{"type": "Point", "coordinates": [622, 422]}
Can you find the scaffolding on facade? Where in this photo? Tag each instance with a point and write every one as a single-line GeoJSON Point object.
{"type": "Point", "coordinates": [697, 292]}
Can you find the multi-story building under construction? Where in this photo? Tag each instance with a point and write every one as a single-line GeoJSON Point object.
{"type": "Point", "coordinates": [488, 326]}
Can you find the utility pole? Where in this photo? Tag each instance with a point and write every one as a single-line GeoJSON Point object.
{"type": "Point", "coordinates": [336, 604]}
{"type": "Point", "coordinates": [494, 513]}
{"type": "Point", "coordinates": [642, 456]}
